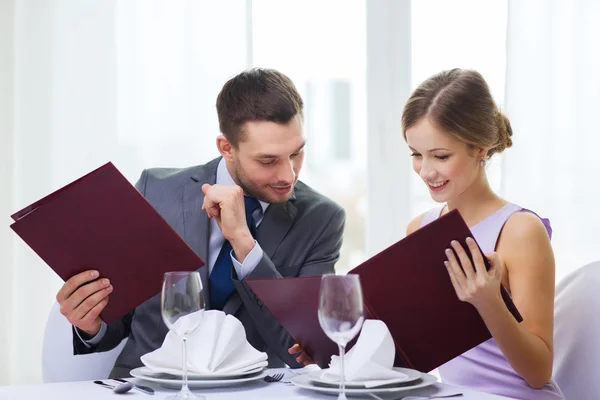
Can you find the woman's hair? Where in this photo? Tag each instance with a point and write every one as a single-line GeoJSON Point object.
{"type": "Point", "coordinates": [459, 102]}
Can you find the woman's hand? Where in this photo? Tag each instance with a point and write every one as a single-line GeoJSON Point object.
{"type": "Point", "coordinates": [472, 283]}
{"type": "Point", "coordinates": [302, 358]}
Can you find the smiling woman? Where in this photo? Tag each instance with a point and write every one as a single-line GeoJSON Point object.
{"type": "Point", "coordinates": [452, 125]}
{"type": "Point", "coordinates": [442, 160]}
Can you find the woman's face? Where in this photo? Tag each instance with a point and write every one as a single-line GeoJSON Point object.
{"type": "Point", "coordinates": [447, 165]}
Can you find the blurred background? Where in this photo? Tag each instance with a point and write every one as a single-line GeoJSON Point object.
{"type": "Point", "coordinates": [135, 82]}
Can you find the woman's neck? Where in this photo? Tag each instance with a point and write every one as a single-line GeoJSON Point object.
{"type": "Point", "coordinates": [477, 202]}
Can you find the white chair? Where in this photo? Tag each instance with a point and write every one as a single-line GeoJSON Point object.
{"type": "Point", "coordinates": [577, 334]}
{"type": "Point", "coordinates": [58, 362]}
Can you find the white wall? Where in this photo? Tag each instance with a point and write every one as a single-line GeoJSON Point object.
{"type": "Point", "coordinates": [7, 182]}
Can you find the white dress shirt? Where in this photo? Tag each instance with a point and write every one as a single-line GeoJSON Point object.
{"type": "Point", "coordinates": [215, 242]}
{"type": "Point", "coordinates": [216, 238]}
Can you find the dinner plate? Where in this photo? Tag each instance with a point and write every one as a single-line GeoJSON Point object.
{"type": "Point", "coordinates": [175, 382]}
{"type": "Point", "coordinates": [302, 381]}
{"type": "Point", "coordinates": [176, 374]}
{"type": "Point", "coordinates": [411, 376]}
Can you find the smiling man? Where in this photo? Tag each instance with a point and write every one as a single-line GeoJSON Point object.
{"type": "Point", "coordinates": [245, 213]}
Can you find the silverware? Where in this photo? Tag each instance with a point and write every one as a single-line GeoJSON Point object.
{"type": "Point", "coordinates": [274, 378]}
{"type": "Point", "coordinates": [143, 389]}
{"type": "Point", "coordinates": [119, 389]}
{"type": "Point", "coordinates": [411, 397]}
{"type": "Point", "coordinates": [434, 396]}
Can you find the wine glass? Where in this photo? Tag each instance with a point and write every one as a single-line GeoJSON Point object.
{"type": "Point", "coordinates": [341, 313]}
{"type": "Point", "coordinates": [181, 296]}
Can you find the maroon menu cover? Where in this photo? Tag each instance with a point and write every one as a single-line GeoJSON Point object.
{"type": "Point", "coordinates": [100, 221]}
{"type": "Point", "coordinates": [294, 303]}
{"type": "Point", "coordinates": [407, 287]}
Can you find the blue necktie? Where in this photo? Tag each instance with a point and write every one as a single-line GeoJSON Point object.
{"type": "Point", "coordinates": [221, 285]}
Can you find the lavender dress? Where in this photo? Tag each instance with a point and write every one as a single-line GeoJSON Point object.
{"type": "Point", "coordinates": [484, 367]}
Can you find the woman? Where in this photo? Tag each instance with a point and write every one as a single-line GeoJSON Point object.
{"type": "Point", "coordinates": [453, 127]}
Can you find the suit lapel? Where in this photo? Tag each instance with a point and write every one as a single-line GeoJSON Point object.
{"type": "Point", "coordinates": [195, 221]}
{"type": "Point", "coordinates": [275, 225]}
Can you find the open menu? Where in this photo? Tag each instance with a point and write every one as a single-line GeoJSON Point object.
{"type": "Point", "coordinates": [407, 287]}
{"type": "Point", "coordinates": [101, 222]}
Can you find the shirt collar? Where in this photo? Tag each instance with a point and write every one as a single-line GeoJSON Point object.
{"type": "Point", "coordinates": [224, 178]}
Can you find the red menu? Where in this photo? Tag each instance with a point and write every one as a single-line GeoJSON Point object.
{"type": "Point", "coordinates": [407, 287]}
{"type": "Point", "coordinates": [102, 222]}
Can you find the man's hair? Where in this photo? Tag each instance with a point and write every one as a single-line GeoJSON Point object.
{"type": "Point", "coordinates": [256, 94]}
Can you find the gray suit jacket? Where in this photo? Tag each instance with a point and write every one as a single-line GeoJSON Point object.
{"type": "Point", "coordinates": [301, 237]}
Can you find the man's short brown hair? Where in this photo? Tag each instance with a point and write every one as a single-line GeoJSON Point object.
{"type": "Point", "coordinates": [256, 94]}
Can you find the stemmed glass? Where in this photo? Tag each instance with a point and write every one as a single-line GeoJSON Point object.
{"type": "Point", "coordinates": [182, 295]}
{"type": "Point", "coordinates": [341, 313]}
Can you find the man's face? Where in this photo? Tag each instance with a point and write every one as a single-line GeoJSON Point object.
{"type": "Point", "coordinates": [268, 159]}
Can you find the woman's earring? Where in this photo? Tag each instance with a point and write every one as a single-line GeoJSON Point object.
{"type": "Point", "coordinates": [482, 162]}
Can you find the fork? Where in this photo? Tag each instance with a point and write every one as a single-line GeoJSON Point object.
{"type": "Point", "coordinates": [274, 378]}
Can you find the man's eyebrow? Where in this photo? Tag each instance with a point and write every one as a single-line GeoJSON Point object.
{"type": "Point", "coordinates": [273, 156]}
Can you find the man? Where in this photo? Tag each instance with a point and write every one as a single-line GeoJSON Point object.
{"type": "Point", "coordinates": [244, 213]}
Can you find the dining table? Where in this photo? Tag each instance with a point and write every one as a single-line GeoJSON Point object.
{"type": "Point", "coordinates": [257, 390]}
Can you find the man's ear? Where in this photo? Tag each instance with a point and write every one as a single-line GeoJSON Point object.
{"type": "Point", "coordinates": [225, 147]}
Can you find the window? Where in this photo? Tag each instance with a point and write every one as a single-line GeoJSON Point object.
{"type": "Point", "coordinates": [329, 68]}
{"type": "Point", "coordinates": [327, 64]}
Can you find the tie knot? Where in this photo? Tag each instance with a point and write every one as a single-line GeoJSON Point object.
{"type": "Point", "coordinates": [251, 206]}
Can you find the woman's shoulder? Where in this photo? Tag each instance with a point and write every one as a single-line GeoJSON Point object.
{"type": "Point", "coordinates": [524, 246]}
{"type": "Point", "coordinates": [423, 219]}
{"type": "Point", "coordinates": [525, 222]}
{"type": "Point", "coordinates": [415, 224]}
{"type": "Point", "coordinates": [525, 226]}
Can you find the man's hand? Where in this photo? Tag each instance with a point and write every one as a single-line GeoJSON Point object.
{"type": "Point", "coordinates": [302, 358]}
{"type": "Point", "coordinates": [81, 301]}
{"type": "Point", "coordinates": [225, 203]}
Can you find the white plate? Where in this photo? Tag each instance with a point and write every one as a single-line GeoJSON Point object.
{"type": "Point", "coordinates": [412, 375]}
{"type": "Point", "coordinates": [302, 381]}
{"type": "Point", "coordinates": [176, 383]}
{"type": "Point", "coordinates": [147, 372]}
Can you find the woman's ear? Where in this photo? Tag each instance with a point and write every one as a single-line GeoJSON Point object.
{"type": "Point", "coordinates": [482, 153]}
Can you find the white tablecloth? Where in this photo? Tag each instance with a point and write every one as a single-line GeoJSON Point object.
{"type": "Point", "coordinates": [255, 391]}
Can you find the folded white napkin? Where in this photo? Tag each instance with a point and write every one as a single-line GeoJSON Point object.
{"type": "Point", "coordinates": [217, 345]}
{"type": "Point", "coordinates": [371, 359]}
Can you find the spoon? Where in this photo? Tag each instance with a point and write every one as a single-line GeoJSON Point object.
{"type": "Point", "coordinates": [143, 389]}
{"type": "Point", "coordinates": [119, 389]}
